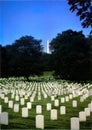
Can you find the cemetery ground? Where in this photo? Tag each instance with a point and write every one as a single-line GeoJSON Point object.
{"type": "Point", "coordinates": [47, 94]}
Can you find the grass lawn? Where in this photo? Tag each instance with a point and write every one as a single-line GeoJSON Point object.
{"type": "Point", "coordinates": [16, 121]}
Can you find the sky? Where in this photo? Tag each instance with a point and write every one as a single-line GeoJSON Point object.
{"type": "Point", "coordinates": [42, 19]}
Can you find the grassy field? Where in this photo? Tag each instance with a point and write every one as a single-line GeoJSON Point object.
{"type": "Point", "coordinates": [16, 121]}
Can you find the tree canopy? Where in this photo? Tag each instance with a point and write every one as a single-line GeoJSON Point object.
{"type": "Point", "coordinates": [23, 57]}
{"type": "Point", "coordinates": [83, 9]}
{"type": "Point", "coordinates": [72, 55]}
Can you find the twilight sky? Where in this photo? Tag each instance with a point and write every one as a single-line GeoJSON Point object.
{"type": "Point", "coordinates": [42, 19]}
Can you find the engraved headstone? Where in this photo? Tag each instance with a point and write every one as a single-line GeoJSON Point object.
{"type": "Point", "coordinates": [53, 114]}
{"type": "Point", "coordinates": [0, 109]}
{"type": "Point", "coordinates": [29, 105]}
{"type": "Point", "coordinates": [38, 109]}
{"type": "Point", "coordinates": [62, 110]}
{"type": "Point", "coordinates": [56, 103]}
{"type": "Point", "coordinates": [48, 106]}
{"type": "Point", "coordinates": [24, 112]}
{"type": "Point", "coordinates": [75, 123]}
{"type": "Point", "coordinates": [22, 101]}
{"type": "Point", "coordinates": [82, 116]}
{"type": "Point", "coordinates": [6, 99]}
{"type": "Point", "coordinates": [4, 118]}
{"type": "Point", "coordinates": [40, 121]}
{"type": "Point", "coordinates": [62, 100]}
{"type": "Point", "coordinates": [87, 111]}
{"type": "Point", "coordinates": [74, 103]}
{"type": "Point", "coordinates": [10, 104]}
{"type": "Point", "coordinates": [16, 107]}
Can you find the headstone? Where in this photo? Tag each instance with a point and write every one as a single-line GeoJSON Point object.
{"type": "Point", "coordinates": [40, 121]}
{"type": "Point", "coordinates": [82, 116]}
{"type": "Point", "coordinates": [6, 99]}
{"type": "Point", "coordinates": [31, 99]}
{"type": "Point", "coordinates": [56, 103]}
{"type": "Point", "coordinates": [38, 109]}
{"type": "Point", "coordinates": [90, 106]}
{"type": "Point", "coordinates": [67, 98]}
{"type": "Point", "coordinates": [22, 101]}
{"type": "Point", "coordinates": [29, 105]}
{"type": "Point", "coordinates": [62, 100]}
{"type": "Point", "coordinates": [16, 107]}
{"type": "Point", "coordinates": [62, 110]}
{"type": "Point", "coordinates": [12, 96]}
{"type": "Point", "coordinates": [4, 118]}
{"type": "Point", "coordinates": [10, 104]}
{"type": "Point", "coordinates": [0, 109]}
{"type": "Point", "coordinates": [48, 106]}
{"type": "Point", "coordinates": [53, 114]}
{"type": "Point", "coordinates": [75, 123]}
{"type": "Point", "coordinates": [24, 112]}
{"type": "Point", "coordinates": [17, 98]}
{"type": "Point", "coordinates": [81, 99]}
{"type": "Point", "coordinates": [70, 96]}
{"type": "Point", "coordinates": [74, 103]}
{"type": "Point", "coordinates": [52, 98]}
{"type": "Point", "coordinates": [87, 111]}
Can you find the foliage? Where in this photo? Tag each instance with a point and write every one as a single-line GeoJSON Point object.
{"type": "Point", "coordinates": [83, 9]}
{"type": "Point", "coordinates": [24, 57]}
{"type": "Point", "coordinates": [72, 56]}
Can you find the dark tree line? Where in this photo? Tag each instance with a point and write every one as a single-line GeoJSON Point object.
{"type": "Point", "coordinates": [22, 58]}
{"type": "Point", "coordinates": [71, 57]}
{"type": "Point", "coordinates": [72, 54]}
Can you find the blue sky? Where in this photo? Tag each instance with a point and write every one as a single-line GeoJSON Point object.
{"type": "Point", "coordinates": [42, 19]}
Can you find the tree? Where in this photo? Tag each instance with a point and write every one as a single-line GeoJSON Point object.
{"type": "Point", "coordinates": [47, 62]}
{"type": "Point", "coordinates": [3, 63]}
{"type": "Point", "coordinates": [25, 57]}
{"type": "Point", "coordinates": [83, 9]}
{"type": "Point", "coordinates": [72, 57]}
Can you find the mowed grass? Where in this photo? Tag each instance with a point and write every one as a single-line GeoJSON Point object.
{"type": "Point", "coordinates": [16, 121]}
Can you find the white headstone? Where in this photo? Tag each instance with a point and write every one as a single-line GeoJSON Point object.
{"type": "Point", "coordinates": [67, 98]}
{"type": "Point", "coordinates": [53, 114]}
{"type": "Point", "coordinates": [10, 104]}
{"type": "Point", "coordinates": [81, 99]}
{"type": "Point", "coordinates": [82, 116]}
{"type": "Point", "coordinates": [29, 105]}
{"type": "Point", "coordinates": [75, 123]}
{"type": "Point", "coordinates": [17, 98]}
{"type": "Point", "coordinates": [48, 106]}
{"type": "Point", "coordinates": [56, 103]}
{"type": "Point", "coordinates": [62, 110]}
{"type": "Point", "coordinates": [70, 96]}
{"type": "Point", "coordinates": [90, 106]}
{"type": "Point", "coordinates": [74, 103]}
{"type": "Point", "coordinates": [16, 107]}
{"type": "Point", "coordinates": [4, 118]}
{"type": "Point", "coordinates": [24, 112]}
{"type": "Point", "coordinates": [87, 111]}
{"type": "Point", "coordinates": [40, 121]}
{"type": "Point", "coordinates": [52, 98]}
{"type": "Point", "coordinates": [22, 101]}
{"type": "Point", "coordinates": [0, 109]}
{"type": "Point", "coordinates": [62, 100]}
{"type": "Point", "coordinates": [6, 99]}
{"type": "Point", "coordinates": [38, 109]}
{"type": "Point", "coordinates": [31, 99]}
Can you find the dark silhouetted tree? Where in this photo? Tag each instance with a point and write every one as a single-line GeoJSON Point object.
{"type": "Point", "coordinates": [72, 56]}
{"type": "Point", "coordinates": [83, 9]}
{"type": "Point", "coordinates": [25, 56]}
